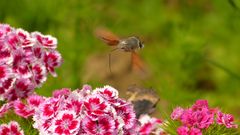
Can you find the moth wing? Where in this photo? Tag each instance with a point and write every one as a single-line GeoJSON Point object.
{"type": "Point", "coordinates": [137, 63]}
{"type": "Point", "coordinates": [107, 36]}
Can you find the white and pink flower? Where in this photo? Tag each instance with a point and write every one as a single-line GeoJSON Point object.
{"type": "Point", "coordinates": [226, 119]}
{"type": "Point", "coordinates": [12, 128]}
{"type": "Point", "coordinates": [25, 61]}
{"type": "Point", "coordinates": [85, 112]}
{"type": "Point", "coordinates": [177, 113]}
{"type": "Point", "coordinates": [104, 125]}
{"type": "Point", "coordinates": [65, 122]}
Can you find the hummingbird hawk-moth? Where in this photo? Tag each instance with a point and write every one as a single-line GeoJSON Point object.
{"type": "Point", "coordinates": [128, 44]}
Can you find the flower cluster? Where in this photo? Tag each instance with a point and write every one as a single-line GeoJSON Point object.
{"type": "Point", "coordinates": [27, 109]}
{"type": "Point", "coordinates": [11, 129]}
{"type": "Point", "coordinates": [200, 117]}
{"type": "Point", "coordinates": [25, 60]}
{"type": "Point", "coordinates": [83, 111]}
{"type": "Point", "coordinates": [86, 111]}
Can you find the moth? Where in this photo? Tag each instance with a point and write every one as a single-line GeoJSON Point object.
{"type": "Point", "coordinates": [128, 44]}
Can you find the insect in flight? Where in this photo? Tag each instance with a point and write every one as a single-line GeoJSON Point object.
{"type": "Point", "coordinates": [129, 44]}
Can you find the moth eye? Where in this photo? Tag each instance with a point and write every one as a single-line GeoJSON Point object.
{"type": "Point", "coordinates": [141, 45]}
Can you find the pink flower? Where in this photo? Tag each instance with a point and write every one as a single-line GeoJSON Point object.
{"type": "Point", "coordinates": [5, 86]}
{"type": "Point", "coordinates": [200, 104]}
{"type": "Point", "coordinates": [225, 119]}
{"type": "Point", "coordinates": [98, 112]}
{"type": "Point", "coordinates": [24, 38]}
{"type": "Point", "coordinates": [25, 61]}
{"type": "Point", "coordinates": [4, 29]}
{"type": "Point", "coordinates": [39, 74]}
{"type": "Point", "coordinates": [12, 39]}
{"type": "Point", "coordinates": [35, 100]}
{"type": "Point", "coordinates": [5, 73]}
{"type": "Point", "coordinates": [74, 105]}
{"type": "Point", "coordinates": [66, 123]}
{"type": "Point", "coordinates": [108, 93]}
{"type": "Point", "coordinates": [18, 60]}
{"type": "Point", "coordinates": [49, 108]}
{"type": "Point", "coordinates": [105, 125]}
{"type": "Point", "coordinates": [22, 110]}
{"type": "Point", "coordinates": [5, 108]}
{"type": "Point", "coordinates": [127, 114]}
{"type": "Point", "coordinates": [45, 41]}
{"type": "Point", "coordinates": [84, 92]}
{"type": "Point", "coordinates": [86, 87]}
{"type": "Point", "coordinates": [183, 130]}
{"type": "Point", "coordinates": [52, 60]}
{"type": "Point", "coordinates": [26, 110]}
{"type": "Point", "coordinates": [200, 119]}
{"type": "Point", "coordinates": [37, 53]}
{"type": "Point", "coordinates": [11, 129]}
{"type": "Point", "coordinates": [5, 53]}
{"type": "Point", "coordinates": [95, 106]}
{"type": "Point", "coordinates": [177, 113]}
{"type": "Point", "coordinates": [200, 116]}
{"type": "Point", "coordinates": [61, 92]}
{"type": "Point", "coordinates": [5, 81]}
{"type": "Point", "coordinates": [23, 88]}
{"type": "Point", "coordinates": [195, 131]}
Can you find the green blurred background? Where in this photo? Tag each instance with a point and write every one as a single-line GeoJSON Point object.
{"type": "Point", "coordinates": [191, 46]}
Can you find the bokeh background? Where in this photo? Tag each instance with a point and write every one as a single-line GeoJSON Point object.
{"type": "Point", "coordinates": [191, 49]}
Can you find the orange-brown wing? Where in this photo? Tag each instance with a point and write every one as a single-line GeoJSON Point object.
{"type": "Point", "coordinates": [137, 63]}
{"type": "Point", "coordinates": [106, 36]}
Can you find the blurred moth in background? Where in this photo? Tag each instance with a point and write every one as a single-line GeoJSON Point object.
{"type": "Point", "coordinates": [144, 100]}
{"type": "Point", "coordinates": [129, 44]}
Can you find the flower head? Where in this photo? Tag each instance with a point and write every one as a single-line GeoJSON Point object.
{"type": "Point", "coordinates": [25, 61]}
{"type": "Point", "coordinates": [104, 125]}
{"type": "Point", "coordinates": [226, 119]}
{"type": "Point", "coordinates": [177, 113]}
{"type": "Point", "coordinates": [199, 117]}
{"type": "Point", "coordinates": [66, 123]}
{"type": "Point", "coordinates": [86, 111]}
{"type": "Point", "coordinates": [11, 129]}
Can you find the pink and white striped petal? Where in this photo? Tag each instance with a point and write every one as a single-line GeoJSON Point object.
{"type": "Point", "coordinates": [39, 74]}
{"type": "Point", "coordinates": [5, 107]}
{"type": "Point", "coordinates": [22, 88]}
{"type": "Point", "coordinates": [52, 60]}
{"type": "Point", "coordinates": [46, 41]}
{"type": "Point", "coordinates": [105, 125]}
{"type": "Point", "coordinates": [23, 110]}
{"type": "Point", "coordinates": [24, 38]}
{"type": "Point", "coordinates": [66, 122]}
